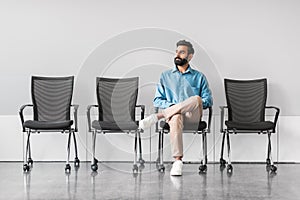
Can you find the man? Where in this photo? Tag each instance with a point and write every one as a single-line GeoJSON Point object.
{"type": "Point", "coordinates": [182, 93]}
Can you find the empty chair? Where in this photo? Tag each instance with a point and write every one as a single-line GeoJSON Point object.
{"type": "Point", "coordinates": [246, 106]}
{"type": "Point", "coordinates": [116, 108]}
{"type": "Point", "coordinates": [202, 128]}
{"type": "Point", "coordinates": [51, 107]}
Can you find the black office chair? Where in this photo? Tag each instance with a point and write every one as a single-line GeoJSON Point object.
{"type": "Point", "coordinates": [116, 112]}
{"type": "Point", "coordinates": [246, 106]}
{"type": "Point", "coordinates": [51, 103]}
{"type": "Point", "coordinates": [203, 127]}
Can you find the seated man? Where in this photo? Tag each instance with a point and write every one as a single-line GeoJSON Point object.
{"type": "Point", "coordinates": [182, 93]}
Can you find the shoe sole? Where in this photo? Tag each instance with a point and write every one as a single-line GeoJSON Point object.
{"type": "Point", "coordinates": [176, 174]}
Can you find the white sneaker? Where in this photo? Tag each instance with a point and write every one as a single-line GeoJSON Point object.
{"type": "Point", "coordinates": [148, 122]}
{"type": "Point", "coordinates": [176, 168]}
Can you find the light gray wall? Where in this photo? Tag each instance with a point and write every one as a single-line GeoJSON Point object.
{"type": "Point", "coordinates": [233, 39]}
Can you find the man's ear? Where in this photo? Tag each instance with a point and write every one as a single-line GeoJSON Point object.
{"type": "Point", "coordinates": [190, 56]}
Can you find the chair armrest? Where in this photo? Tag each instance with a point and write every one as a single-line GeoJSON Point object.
{"type": "Point", "coordinates": [222, 117]}
{"type": "Point", "coordinates": [22, 115]}
{"type": "Point", "coordinates": [88, 113]}
{"type": "Point", "coordinates": [142, 110]}
{"type": "Point", "coordinates": [75, 106]}
{"type": "Point", "coordinates": [276, 115]}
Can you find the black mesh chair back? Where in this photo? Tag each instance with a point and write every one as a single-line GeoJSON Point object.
{"type": "Point", "coordinates": [117, 99]}
{"type": "Point", "coordinates": [246, 100]}
{"type": "Point", "coordinates": [51, 97]}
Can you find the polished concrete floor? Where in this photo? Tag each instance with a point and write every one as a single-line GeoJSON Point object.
{"type": "Point", "coordinates": [115, 181]}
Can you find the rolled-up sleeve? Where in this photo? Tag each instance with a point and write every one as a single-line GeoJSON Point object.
{"type": "Point", "coordinates": [160, 99]}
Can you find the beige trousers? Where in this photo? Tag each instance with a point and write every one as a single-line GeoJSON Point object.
{"type": "Point", "coordinates": [189, 110]}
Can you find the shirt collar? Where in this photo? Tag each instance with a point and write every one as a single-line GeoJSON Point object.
{"type": "Point", "coordinates": [188, 70]}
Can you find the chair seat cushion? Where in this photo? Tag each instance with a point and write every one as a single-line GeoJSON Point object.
{"type": "Point", "coordinates": [115, 126]}
{"type": "Point", "coordinates": [186, 126]}
{"type": "Point", "coordinates": [48, 125]}
{"type": "Point", "coordinates": [259, 126]}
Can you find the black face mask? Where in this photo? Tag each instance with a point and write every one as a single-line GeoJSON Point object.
{"type": "Point", "coordinates": [180, 62]}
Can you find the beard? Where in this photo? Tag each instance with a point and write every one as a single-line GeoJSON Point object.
{"type": "Point", "coordinates": [179, 61]}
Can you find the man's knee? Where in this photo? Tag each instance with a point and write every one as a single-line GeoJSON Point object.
{"type": "Point", "coordinates": [197, 99]}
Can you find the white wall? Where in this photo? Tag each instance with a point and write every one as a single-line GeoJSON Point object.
{"type": "Point", "coordinates": [233, 39]}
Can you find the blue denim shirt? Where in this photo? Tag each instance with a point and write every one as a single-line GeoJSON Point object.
{"type": "Point", "coordinates": [175, 87]}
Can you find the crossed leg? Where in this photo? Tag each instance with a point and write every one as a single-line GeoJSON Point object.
{"type": "Point", "coordinates": [189, 110]}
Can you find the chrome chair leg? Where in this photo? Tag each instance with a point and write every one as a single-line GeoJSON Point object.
{"type": "Point", "coordinates": [68, 166]}
{"type": "Point", "coordinates": [161, 166]}
{"type": "Point", "coordinates": [203, 166]}
{"type": "Point", "coordinates": [76, 161]}
{"type": "Point", "coordinates": [229, 166]}
{"type": "Point", "coordinates": [270, 164]}
{"type": "Point", "coordinates": [94, 161]}
{"type": "Point", "coordinates": [26, 150]}
{"type": "Point", "coordinates": [135, 167]}
{"type": "Point", "coordinates": [222, 161]}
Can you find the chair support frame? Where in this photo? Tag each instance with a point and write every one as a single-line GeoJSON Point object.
{"type": "Point", "coordinates": [27, 159]}
{"type": "Point", "coordinates": [226, 136]}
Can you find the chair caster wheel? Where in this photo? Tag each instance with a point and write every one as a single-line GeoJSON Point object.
{"type": "Point", "coordinates": [68, 168]}
{"type": "Point", "coordinates": [222, 162]}
{"type": "Point", "coordinates": [229, 169]}
{"type": "Point", "coordinates": [161, 168]}
{"type": "Point", "coordinates": [135, 169]}
{"type": "Point", "coordinates": [273, 169]}
{"type": "Point", "coordinates": [26, 168]}
{"type": "Point", "coordinates": [202, 168]}
{"type": "Point", "coordinates": [94, 167]}
{"type": "Point", "coordinates": [141, 161]}
{"type": "Point", "coordinates": [77, 163]}
{"type": "Point", "coordinates": [30, 161]}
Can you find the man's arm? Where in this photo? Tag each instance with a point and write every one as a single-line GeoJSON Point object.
{"type": "Point", "coordinates": [160, 99]}
{"type": "Point", "coordinates": [205, 93]}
